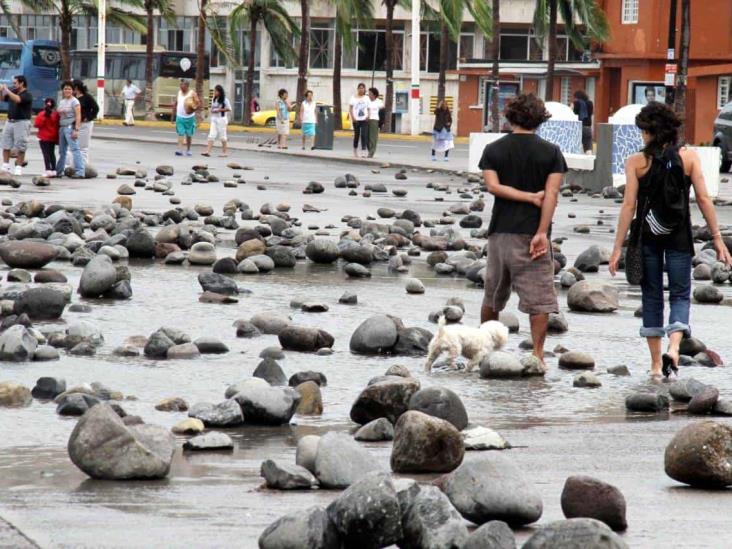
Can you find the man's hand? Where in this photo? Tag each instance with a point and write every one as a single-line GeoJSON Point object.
{"type": "Point", "coordinates": [723, 254]}
{"type": "Point", "coordinates": [538, 199]}
{"type": "Point", "coordinates": [614, 261]}
{"type": "Point", "coordinates": [539, 245]}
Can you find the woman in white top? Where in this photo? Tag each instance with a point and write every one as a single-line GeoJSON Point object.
{"type": "Point", "coordinates": [308, 121]}
{"type": "Point", "coordinates": [358, 112]}
{"type": "Point", "coordinates": [219, 121]}
{"type": "Point", "coordinates": [375, 106]}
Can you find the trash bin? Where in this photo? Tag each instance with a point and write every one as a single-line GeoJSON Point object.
{"type": "Point", "coordinates": [325, 127]}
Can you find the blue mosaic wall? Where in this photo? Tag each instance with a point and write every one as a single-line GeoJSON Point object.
{"type": "Point", "coordinates": [566, 134]}
{"type": "Point", "coordinates": [626, 141]}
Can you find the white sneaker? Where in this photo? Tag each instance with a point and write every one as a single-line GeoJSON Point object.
{"type": "Point", "coordinates": [6, 167]}
{"type": "Point", "coordinates": [52, 173]}
{"type": "Point", "coordinates": [18, 170]}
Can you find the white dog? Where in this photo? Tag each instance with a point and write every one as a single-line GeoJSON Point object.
{"type": "Point", "coordinates": [472, 343]}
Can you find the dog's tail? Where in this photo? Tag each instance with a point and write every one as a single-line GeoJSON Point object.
{"type": "Point", "coordinates": [441, 322]}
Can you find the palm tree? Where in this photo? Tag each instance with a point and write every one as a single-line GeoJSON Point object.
{"type": "Point", "coordinates": [277, 23]}
{"type": "Point", "coordinates": [10, 17]}
{"type": "Point", "coordinates": [683, 70]}
{"type": "Point", "coordinates": [349, 14]}
{"type": "Point", "coordinates": [390, 57]}
{"type": "Point", "coordinates": [495, 76]}
{"type": "Point", "coordinates": [593, 26]}
{"type": "Point", "coordinates": [66, 10]}
{"type": "Point", "coordinates": [166, 10]}
{"type": "Point", "coordinates": [201, 57]}
{"type": "Point", "coordinates": [304, 55]}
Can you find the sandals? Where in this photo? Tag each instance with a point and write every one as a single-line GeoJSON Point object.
{"type": "Point", "coordinates": [205, 154]}
{"type": "Point", "coordinates": [669, 366]}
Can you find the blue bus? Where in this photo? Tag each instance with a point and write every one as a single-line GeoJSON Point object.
{"type": "Point", "coordinates": [38, 60]}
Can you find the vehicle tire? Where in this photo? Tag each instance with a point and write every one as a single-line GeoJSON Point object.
{"type": "Point", "coordinates": [270, 123]}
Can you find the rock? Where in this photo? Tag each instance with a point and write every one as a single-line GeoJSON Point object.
{"type": "Point", "coordinates": [184, 351]}
{"type": "Point", "coordinates": [165, 170]}
{"type": "Point", "coordinates": [708, 294]}
{"type": "Point", "coordinates": [14, 395]}
{"type": "Point", "coordinates": [219, 299]}
{"type": "Point", "coordinates": [567, 279]}
{"type": "Point", "coordinates": [322, 250]}
{"type": "Point", "coordinates": [386, 396]}
{"type": "Point", "coordinates": [84, 348]}
{"type": "Point", "coordinates": [225, 265]}
{"type": "Point", "coordinates": [425, 444]}
{"type": "Point", "coordinates": [356, 270]}
{"type": "Point", "coordinates": [471, 221]}
{"type": "Point", "coordinates": [587, 497]}
{"type": "Point", "coordinates": [17, 344]}
{"type": "Point", "coordinates": [26, 254]}
{"type": "Point", "coordinates": [590, 260]}
{"type": "Point", "coordinates": [49, 276]}
{"type": "Point", "coordinates": [266, 405]}
{"type": "Point", "coordinates": [224, 414]}
{"type": "Point", "coordinates": [300, 338]}
{"type": "Point", "coordinates": [586, 379]}
{"type": "Point", "coordinates": [348, 298]}
{"type": "Point", "coordinates": [189, 426]}
{"type": "Point", "coordinates": [311, 400]}
{"type": "Point", "coordinates": [218, 283]}
{"type": "Point", "coordinates": [685, 389]}
{"type": "Point", "coordinates": [502, 364]}
{"type": "Point", "coordinates": [308, 529]}
{"type": "Point", "coordinates": [341, 461]}
{"type": "Point", "coordinates": [495, 534]}
{"type": "Point", "coordinates": [510, 321]}
{"type": "Point", "coordinates": [575, 360]}
{"type": "Point", "coordinates": [271, 372]}
{"type": "Point", "coordinates": [98, 276]}
{"type": "Point", "coordinates": [557, 323]}
{"type": "Point", "coordinates": [103, 447]}
{"type": "Point", "coordinates": [620, 370]}
{"type": "Point", "coordinates": [48, 388]}
{"type": "Point", "coordinates": [704, 402]}
{"type": "Point", "coordinates": [306, 452]}
{"type": "Point", "coordinates": [376, 431]}
{"type": "Point", "coordinates": [202, 253]}
{"type": "Point", "coordinates": [270, 323]}
{"type": "Point", "coordinates": [75, 404]}
{"type": "Point", "coordinates": [174, 404]}
{"type": "Point", "coordinates": [40, 304]}
{"type": "Point", "coordinates": [702, 272]}
{"type": "Point", "coordinates": [412, 341]}
{"type": "Point", "coordinates": [576, 533]}
{"type": "Point", "coordinates": [377, 334]}
{"type": "Point", "coordinates": [691, 346]}
{"type": "Point", "coordinates": [244, 328]}
{"type": "Point", "coordinates": [301, 377]}
{"type": "Point", "coordinates": [723, 407]}
{"type": "Point", "coordinates": [211, 346]}
{"type": "Point", "coordinates": [414, 286]}
{"type": "Point", "coordinates": [431, 522]}
{"type": "Point", "coordinates": [442, 403]}
{"type": "Point", "coordinates": [141, 244]}
{"type": "Point", "coordinates": [483, 438]}
{"type": "Point", "coordinates": [700, 455]}
{"type": "Point", "coordinates": [709, 358]}
{"type": "Point", "coordinates": [367, 513]}
{"type": "Point", "coordinates": [158, 344]}
{"type": "Point", "coordinates": [120, 290]}
{"type": "Point", "coordinates": [492, 488]}
{"type": "Point", "coordinates": [281, 476]}
{"type": "Point", "coordinates": [593, 297]}
{"type": "Point", "coordinates": [646, 402]}
{"type": "Point", "coordinates": [314, 188]}
{"type": "Point", "coordinates": [213, 441]}
{"type": "Point", "coordinates": [19, 275]}
{"type": "Point", "coordinates": [274, 352]}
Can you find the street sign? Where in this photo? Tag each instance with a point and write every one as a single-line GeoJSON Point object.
{"type": "Point", "coordinates": [670, 79]}
{"type": "Point", "coordinates": [671, 68]}
{"type": "Point", "coordinates": [670, 53]}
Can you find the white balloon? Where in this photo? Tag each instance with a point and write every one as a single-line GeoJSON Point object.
{"type": "Point", "coordinates": [185, 64]}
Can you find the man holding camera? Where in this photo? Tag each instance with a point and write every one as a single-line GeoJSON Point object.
{"type": "Point", "coordinates": [17, 128]}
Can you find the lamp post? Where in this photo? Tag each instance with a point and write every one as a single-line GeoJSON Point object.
{"type": "Point", "coordinates": [414, 91]}
{"type": "Point", "coordinates": [101, 57]}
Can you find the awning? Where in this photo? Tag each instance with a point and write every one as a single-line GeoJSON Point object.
{"type": "Point", "coordinates": [711, 70]}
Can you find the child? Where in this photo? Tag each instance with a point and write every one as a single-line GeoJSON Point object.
{"type": "Point", "coordinates": [47, 124]}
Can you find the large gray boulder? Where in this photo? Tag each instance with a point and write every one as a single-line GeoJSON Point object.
{"type": "Point", "coordinates": [140, 243]}
{"type": "Point", "coordinates": [17, 344]}
{"type": "Point", "coordinates": [266, 405]}
{"type": "Point", "coordinates": [431, 522]}
{"type": "Point", "coordinates": [98, 277]}
{"type": "Point", "coordinates": [440, 402]}
{"type": "Point", "coordinates": [700, 455]}
{"type": "Point", "coordinates": [41, 304]}
{"type": "Point", "coordinates": [308, 529]}
{"type": "Point", "coordinates": [385, 396]}
{"type": "Point", "coordinates": [224, 414]}
{"type": "Point", "coordinates": [341, 461]}
{"type": "Point", "coordinates": [495, 534]}
{"type": "Point", "coordinates": [425, 444]}
{"type": "Point", "coordinates": [576, 533]}
{"type": "Point", "coordinates": [322, 250]}
{"type": "Point", "coordinates": [587, 497]}
{"type": "Point", "coordinates": [375, 335]}
{"type": "Point", "coordinates": [593, 297]}
{"type": "Point", "coordinates": [493, 488]}
{"type": "Point", "coordinates": [26, 254]}
{"type": "Point", "coordinates": [103, 447]}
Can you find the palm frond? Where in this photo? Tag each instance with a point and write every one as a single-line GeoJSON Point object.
{"type": "Point", "coordinates": [541, 20]}
{"type": "Point", "coordinates": [281, 29]}
{"type": "Point", "coordinates": [166, 8]}
{"type": "Point", "coordinates": [350, 13]}
{"type": "Point", "coordinates": [482, 14]}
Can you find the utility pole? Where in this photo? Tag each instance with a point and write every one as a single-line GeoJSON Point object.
{"type": "Point", "coordinates": [414, 91]}
{"type": "Point", "coordinates": [101, 54]}
{"type": "Point", "coordinates": [671, 62]}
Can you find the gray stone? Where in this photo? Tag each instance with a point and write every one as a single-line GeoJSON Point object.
{"type": "Point", "coordinates": [385, 396]}
{"type": "Point", "coordinates": [708, 294]}
{"type": "Point", "coordinates": [75, 404]}
{"type": "Point", "coordinates": [211, 345]}
{"type": "Point", "coordinates": [322, 250]}
{"type": "Point", "coordinates": [509, 320]}
{"type": "Point", "coordinates": [576, 360]}
{"type": "Point", "coordinates": [284, 476]}
{"type": "Point", "coordinates": [14, 395]}
{"type": "Point", "coordinates": [173, 404]}
{"type": "Point", "coordinates": [377, 334]}
{"type": "Point", "coordinates": [270, 323]}
{"type": "Point", "coordinates": [590, 260]}
{"type": "Point", "coordinates": [700, 455]}
{"type": "Point", "coordinates": [224, 414]}
{"type": "Point", "coordinates": [412, 341]}
{"type": "Point", "coordinates": [202, 253]}
{"type": "Point", "coordinates": [307, 451]}
{"type": "Point", "coordinates": [425, 444]}
{"type": "Point", "coordinates": [620, 370]}
{"type": "Point", "coordinates": [685, 389]}
{"type": "Point", "coordinates": [576, 533]}
{"type": "Point", "coordinates": [308, 529]}
{"type": "Point", "coordinates": [440, 402]}
{"type": "Point", "coordinates": [212, 441]}
{"type": "Point", "coordinates": [557, 323]}
{"type": "Point", "coordinates": [183, 351]}
{"type": "Point", "coordinates": [587, 497]}
{"type": "Point", "coordinates": [495, 534]}
{"type": "Point", "coordinates": [646, 402]}
{"type": "Point", "coordinates": [704, 402]}
{"type": "Point", "coordinates": [341, 461]}
{"type": "Point", "coordinates": [218, 283]}
{"type": "Point", "coordinates": [356, 270]}
{"type": "Point", "coordinates": [593, 297]}
{"type": "Point", "coordinates": [271, 372]}
{"type": "Point", "coordinates": [375, 431]}
{"type": "Point", "coordinates": [586, 379]}
{"type": "Point", "coordinates": [158, 344]}
{"type": "Point", "coordinates": [303, 339]}
{"type": "Point", "coordinates": [41, 304]}
{"type": "Point", "coordinates": [501, 364]}
{"type": "Point", "coordinates": [348, 298]}
{"type": "Point", "coordinates": [98, 276]}
{"type": "Point", "coordinates": [301, 377]}
{"type": "Point", "coordinates": [48, 388]}
{"type": "Point", "coordinates": [414, 286]}
{"type": "Point", "coordinates": [431, 522]}
{"type": "Point", "coordinates": [17, 344]}
{"type": "Point", "coordinates": [266, 405]}
{"type": "Point", "coordinates": [25, 254]}
{"type": "Point", "coordinates": [482, 438]}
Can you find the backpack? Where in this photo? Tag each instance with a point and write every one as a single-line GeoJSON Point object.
{"type": "Point", "coordinates": [667, 207]}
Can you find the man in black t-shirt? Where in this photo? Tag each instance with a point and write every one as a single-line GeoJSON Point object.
{"type": "Point", "coordinates": [17, 128]}
{"type": "Point", "coordinates": [523, 172]}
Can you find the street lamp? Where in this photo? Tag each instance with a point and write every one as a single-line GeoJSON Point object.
{"type": "Point", "coordinates": [414, 91]}
{"type": "Point", "coordinates": [101, 51]}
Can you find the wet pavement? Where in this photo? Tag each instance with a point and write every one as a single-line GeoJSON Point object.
{"type": "Point", "coordinates": [215, 499]}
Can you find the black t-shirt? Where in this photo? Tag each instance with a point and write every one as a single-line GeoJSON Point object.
{"type": "Point", "coordinates": [22, 110]}
{"type": "Point", "coordinates": [89, 108]}
{"type": "Point", "coordinates": [522, 161]}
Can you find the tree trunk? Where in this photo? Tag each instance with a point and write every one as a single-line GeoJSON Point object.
{"type": "Point", "coordinates": [201, 59]}
{"type": "Point", "coordinates": [249, 93]}
{"type": "Point", "coordinates": [337, 61]}
{"type": "Point", "coordinates": [683, 67]}
{"type": "Point", "coordinates": [495, 73]}
{"type": "Point", "coordinates": [65, 22]}
{"type": "Point", "coordinates": [549, 95]}
{"type": "Point", "coordinates": [302, 64]}
{"type": "Point", "coordinates": [389, 38]}
{"type": "Point", "coordinates": [444, 60]}
{"type": "Point", "coordinates": [149, 56]}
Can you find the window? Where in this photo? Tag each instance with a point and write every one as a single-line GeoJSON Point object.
{"type": "Point", "coordinates": [36, 27]}
{"type": "Point", "coordinates": [321, 46]}
{"type": "Point", "coordinates": [275, 60]}
{"type": "Point", "coordinates": [723, 94]}
{"type": "Point", "coordinates": [177, 37]}
{"type": "Point", "coordinates": [566, 50]}
{"type": "Point", "coordinates": [10, 58]}
{"type": "Point", "coordinates": [429, 57]}
{"type": "Point", "coordinates": [370, 51]}
{"type": "Point", "coordinates": [467, 42]}
{"type": "Point", "coordinates": [629, 11]}
{"type": "Point", "coordinates": [83, 32]}
{"type": "Point", "coordinates": [46, 56]}
{"type": "Point", "coordinates": [566, 88]}
{"type": "Point", "coordinates": [515, 45]}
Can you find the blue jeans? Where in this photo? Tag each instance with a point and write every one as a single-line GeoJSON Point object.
{"type": "Point", "coordinates": [66, 142]}
{"type": "Point", "coordinates": [678, 265]}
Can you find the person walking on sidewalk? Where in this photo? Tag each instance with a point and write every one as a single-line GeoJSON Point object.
{"type": "Point", "coordinates": [129, 94]}
{"type": "Point", "coordinates": [47, 124]}
{"type": "Point", "coordinates": [358, 112]}
{"type": "Point", "coordinates": [583, 108]}
{"type": "Point", "coordinates": [219, 121]}
{"type": "Point", "coordinates": [89, 112]}
{"type": "Point", "coordinates": [441, 134]}
{"type": "Point", "coordinates": [523, 172]}
{"type": "Point", "coordinates": [308, 121]}
{"type": "Point", "coordinates": [17, 128]}
{"type": "Point", "coordinates": [184, 113]}
{"type": "Point", "coordinates": [375, 106]}
{"type": "Point", "coordinates": [282, 122]}
{"type": "Point", "coordinates": [69, 113]}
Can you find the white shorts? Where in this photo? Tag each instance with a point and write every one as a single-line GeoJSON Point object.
{"type": "Point", "coordinates": [218, 128]}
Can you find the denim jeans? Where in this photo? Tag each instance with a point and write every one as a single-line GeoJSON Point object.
{"type": "Point", "coordinates": [67, 142]}
{"type": "Point", "coordinates": [678, 265]}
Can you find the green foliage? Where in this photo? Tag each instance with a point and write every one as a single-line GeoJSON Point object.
{"type": "Point", "coordinates": [584, 21]}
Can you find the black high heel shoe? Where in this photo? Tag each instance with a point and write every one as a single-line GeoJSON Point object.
{"type": "Point", "coordinates": [669, 366]}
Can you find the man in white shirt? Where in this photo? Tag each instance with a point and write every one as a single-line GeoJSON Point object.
{"type": "Point", "coordinates": [130, 92]}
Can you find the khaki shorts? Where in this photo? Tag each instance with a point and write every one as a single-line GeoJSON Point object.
{"type": "Point", "coordinates": [509, 266]}
{"type": "Point", "coordinates": [15, 135]}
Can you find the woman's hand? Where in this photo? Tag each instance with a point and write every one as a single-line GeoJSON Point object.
{"type": "Point", "coordinates": [538, 199]}
{"type": "Point", "coordinates": [614, 261]}
{"type": "Point", "coordinates": [723, 254]}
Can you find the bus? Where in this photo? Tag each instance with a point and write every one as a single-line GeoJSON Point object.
{"type": "Point", "coordinates": [125, 61]}
{"type": "Point", "coordinates": [38, 60]}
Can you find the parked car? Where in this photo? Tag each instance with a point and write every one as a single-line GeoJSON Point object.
{"type": "Point", "coordinates": [268, 118]}
{"type": "Point", "coordinates": [723, 136]}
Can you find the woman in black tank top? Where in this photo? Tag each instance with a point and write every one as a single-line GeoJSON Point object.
{"type": "Point", "coordinates": [646, 175]}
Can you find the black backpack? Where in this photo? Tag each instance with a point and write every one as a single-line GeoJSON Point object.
{"type": "Point", "coordinates": [667, 205]}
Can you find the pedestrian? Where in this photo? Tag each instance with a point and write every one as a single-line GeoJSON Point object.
{"type": "Point", "coordinates": [129, 94]}
{"type": "Point", "coordinates": [219, 121]}
{"type": "Point", "coordinates": [47, 124]}
{"type": "Point", "coordinates": [254, 105]}
{"type": "Point", "coordinates": [657, 184]}
{"type": "Point", "coordinates": [184, 113]}
{"type": "Point", "coordinates": [17, 128]}
{"type": "Point", "coordinates": [308, 121]}
{"type": "Point", "coordinates": [69, 119]}
{"type": "Point", "coordinates": [375, 106]}
{"type": "Point", "coordinates": [523, 173]}
{"type": "Point", "coordinates": [89, 112]}
{"type": "Point", "coordinates": [358, 112]}
{"type": "Point", "coordinates": [442, 140]}
{"type": "Point", "coordinates": [282, 107]}
{"type": "Point", "coordinates": [584, 108]}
